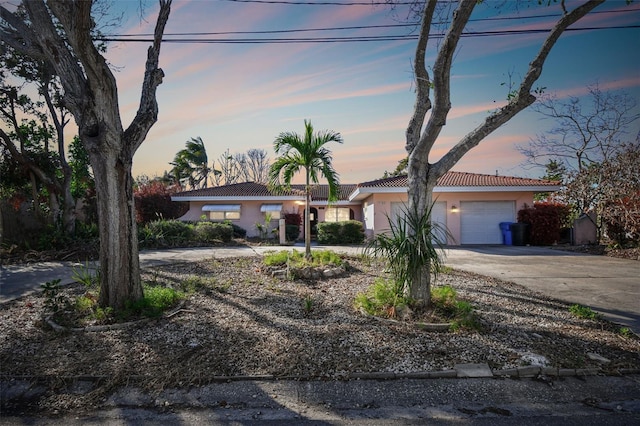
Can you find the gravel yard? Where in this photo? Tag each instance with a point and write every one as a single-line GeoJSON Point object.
{"type": "Point", "coordinates": [244, 322]}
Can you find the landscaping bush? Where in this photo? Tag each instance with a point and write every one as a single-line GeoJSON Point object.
{"type": "Point", "coordinates": [209, 232]}
{"type": "Point", "coordinates": [292, 219]}
{"type": "Point", "coordinates": [347, 232]}
{"type": "Point", "coordinates": [292, 222]}
{"type": "Point", "coordinates": [238, 231]}
{"type": "Point", "coordinates": [169, 233]}
{"type": "Point", "coordinates": [622, 220]}
{"type": "Point", "coordinates": [546, 221]}
{"type": "Point", "coordinates": [153, 202]}
{"type": "Point", "coordinates": [292, 232]}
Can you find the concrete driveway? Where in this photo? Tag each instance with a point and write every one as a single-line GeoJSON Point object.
{"type": "Point", "coordinates": [607, 285]}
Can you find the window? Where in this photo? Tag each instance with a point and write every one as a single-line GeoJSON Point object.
{"type": "Point", "coordinates": [338, 214]}
{"type": "Point", "coordinates": [224, 215]}
{"type": "Point", "coordinates": [273, 209]}
{"type": "Point", "coordinates": [222, 211]}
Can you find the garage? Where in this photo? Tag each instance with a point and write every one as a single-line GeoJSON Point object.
{"type": "Point", "coordinates": [479, 220]}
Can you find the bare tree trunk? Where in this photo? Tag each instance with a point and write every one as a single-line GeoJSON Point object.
{"type": "Point", "coordinates": [307, 218]}
{"type": "Point", "coordinates": [420, 199]}
{"type": "Point", "coordinates": [119, 262]}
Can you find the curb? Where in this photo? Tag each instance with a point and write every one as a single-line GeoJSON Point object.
{"type": "Point", "coordinates": [511, 373]}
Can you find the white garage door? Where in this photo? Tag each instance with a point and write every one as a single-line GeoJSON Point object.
{"type": "Point", "coordinates": [438, 215]}
{"type": "Point", "coordinates": [479, 220]}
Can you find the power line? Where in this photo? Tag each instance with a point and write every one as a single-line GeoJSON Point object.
{"type": "Point", "coordinates": [358, 27]}
{"type": "Point", "coordinates": [320, 3]}
{"type": "Point", "coordinates": [351, 39]}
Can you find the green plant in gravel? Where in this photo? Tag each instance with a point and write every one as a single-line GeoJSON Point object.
{"type": "Point", "coordinates": [197, 283]}
{"type": "Point", "coordinates": [625, 332]}
{"type": "Point", "coordinates": [583, 312]}
{"type": "Point", "coordinates": [54, 302]}
{"type": "Point", "coordinates": [86, 275]}
{"type": "Point", "coordinates": [445, 303]}
{"type": "Point", "coordinates": [155, 301]}
{"type": "Point", "coordinates": [297, 259]}
{"type": "Point", "coordinates": [308, 304]}
{"type": "Point", "coordinates": [381, 299]}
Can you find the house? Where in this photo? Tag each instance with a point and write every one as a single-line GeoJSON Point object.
{"type": "Point", "coordinates": [470, 205]}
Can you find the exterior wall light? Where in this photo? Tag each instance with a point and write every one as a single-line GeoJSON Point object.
{"type": "Point", "coordinates": [454, 209]}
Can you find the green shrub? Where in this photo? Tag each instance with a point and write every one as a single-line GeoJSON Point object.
{"type": "Point", "coordinates": [156, 300]}
{"type": "Point", "coordinates": [296, 259]}
{"type": "Point", "coordinates": [209, 232]}
{"type": "Point", "coordinates": [347, 232]}
{"type": "Point", "coordinates": [170, 232]}
{"type": "Point", "coordinates": [584, 312]}
{"type": "Point", "coordinates": [381, 299]}
{"type": "Point", "coordinates": [238, 231]}
{"type": "Point", "coordinates": [292, 232]}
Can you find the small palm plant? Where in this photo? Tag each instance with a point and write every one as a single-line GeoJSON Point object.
{"type": "Point", "coordinates": [413, 244]}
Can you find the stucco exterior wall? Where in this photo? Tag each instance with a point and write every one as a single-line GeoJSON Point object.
{"type": "Point", "coordinates": [377, 208]}
{"type": "Point", "coordinates": [250, 213]}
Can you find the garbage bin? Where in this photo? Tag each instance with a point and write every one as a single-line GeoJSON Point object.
{"type": "Point", "coordinates": [505, 227]}
{"type": "Point", "coordinates": [519, 233]}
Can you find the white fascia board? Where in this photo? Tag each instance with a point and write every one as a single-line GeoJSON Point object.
{"type": "Point", "coordinates": [364, 192]}
{"type": "Point", "coordinates": [532, 188]}
{"type": "Point", "coordinates": [335, 203]}
{"type": "Point", "coordinates": [237, 199]}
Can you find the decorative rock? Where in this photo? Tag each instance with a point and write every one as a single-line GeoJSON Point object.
{"type": "Point", "coordinates": [534, 359]}
{"type": "Point", "coordinates": [596, 357]}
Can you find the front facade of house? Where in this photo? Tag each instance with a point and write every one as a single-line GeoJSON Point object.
{"type": "Point", "coordinates": [470, 205]}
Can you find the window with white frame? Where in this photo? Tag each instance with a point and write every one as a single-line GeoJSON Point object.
{"type": "Point", "coordinates": [222, 211]}
{"type": "Point", "coordinates": [337, 214]}
{"type": "Point", "coordinates": [273, 209]}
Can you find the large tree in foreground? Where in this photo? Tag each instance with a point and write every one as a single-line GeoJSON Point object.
{"type": "Point", "coordinates": [433, 96]}
{"type": "Point", "coordinates": [59, 33]}
{"type": "Point", "coordinates": [305, 152]}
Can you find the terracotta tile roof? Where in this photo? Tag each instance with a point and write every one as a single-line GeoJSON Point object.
{"type": "Point", "coordinates": [321, 192]}
{"type": "Point", "coordinates": [255, 189]}
{"type": "Point", "coordinates": [462, 179]}
{"type": "Point", "coordinates": [244, 189]}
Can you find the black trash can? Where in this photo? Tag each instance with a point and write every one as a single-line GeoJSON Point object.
{"type": "Point", "coordinates": [505, 227]}
{"type": "Point", "coordinates": [519, 233]}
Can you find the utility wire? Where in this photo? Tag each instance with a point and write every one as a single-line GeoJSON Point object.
{"type": "Point", "coordinates": [350, 38]}
{"type": "Point", "coordinates": [361, 27]}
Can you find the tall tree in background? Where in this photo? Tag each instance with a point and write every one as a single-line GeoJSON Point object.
{"type": "Point", "coordinates": [586, 133]}
{"type": "Point", "coordinates": [191, 164]}
{"type": "Point", "coordinates": [250, 166]}
{"type": "Point", "coordinates": [58, 32]}
{"type": "Point", "coordinates": [433, 96]}
{"type": "Point", "coordinates": [32, 124]}
{"type": "Point", "coordinates": [305, 152]}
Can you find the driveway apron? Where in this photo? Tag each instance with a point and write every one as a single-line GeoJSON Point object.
{"type": "Point", "coordinates": [608, 285]}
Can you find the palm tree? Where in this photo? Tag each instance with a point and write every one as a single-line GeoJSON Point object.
{"type": "Point", "coordinates": [306, 152]}
{"type": "Point", "coordinates": [192, 164]}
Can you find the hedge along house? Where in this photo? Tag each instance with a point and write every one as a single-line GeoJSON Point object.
{"type": "Point", "coordinates": [248, 203]}
{"type": "Point", "coordinates": [470, 205]}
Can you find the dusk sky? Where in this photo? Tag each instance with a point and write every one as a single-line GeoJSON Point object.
{"type": "Point", "coordinates": [241, 96]}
